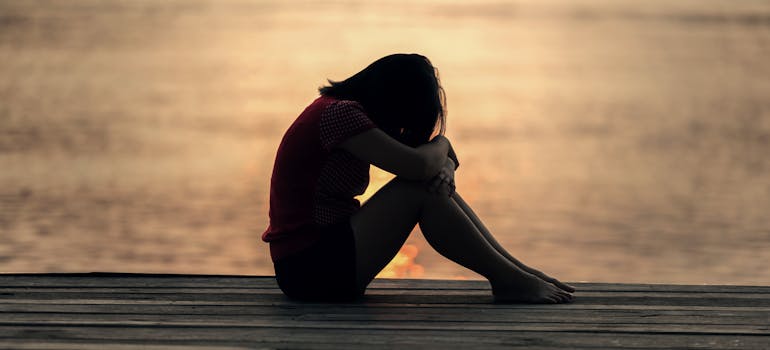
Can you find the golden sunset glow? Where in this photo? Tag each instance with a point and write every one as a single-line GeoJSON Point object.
{"type": "Point", "coordinates": [377, 179]}
{"type": "Point", "coordinates": [598, 140]}
{"type": "Point", "coordinates": [403, 264]}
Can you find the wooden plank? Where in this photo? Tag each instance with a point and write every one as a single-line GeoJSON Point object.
{"type": "Point", "coordinates": [346, 338]}
{"type": "Point", "coordinates": [282, 302]}
{"type": "Point", "coordinates": [599, 287]}
{"type": "Point", "coordinates": [120, 280]}
{"type": "Point", "coordinates": [12, 291]}
{"type": "Point", "coordinates": [48, 345]}
{"type": "Point", "coordinates": [92, 310]}
{"type": "Point", "coordinates": [312, 312]}
{"type": "Point", "coordinates": [302, 309]}
{"type": "Point", "coordinates": [299, 308]}
{"type": "Point", "coordinates": [95, 345]}
{"type": "Point", "coordinates": [264, 284]}
{"type": "Point", "coordinates": [14, 305]}
{"type": "Point", "coordinates": [756, 321]}
{"type": "Point", "coordinates": [276, 297]}
{"type": "Point", "coordinates": [451, 310]}
{"type": "Point", "coordinates": [6, 291]}
{"type": "Point", "coordinates": [445, 325]}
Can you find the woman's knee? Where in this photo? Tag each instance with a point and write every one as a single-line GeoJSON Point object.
{"type": "Point", "coordinates": [419, 191]}
{"type": "Point", "coordinates": [412, 188]}
{"type": "Point", "coordinates": [399, 197]}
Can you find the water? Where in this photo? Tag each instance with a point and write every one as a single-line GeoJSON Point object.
{"type": "Point", "coordinates": [600, 140]}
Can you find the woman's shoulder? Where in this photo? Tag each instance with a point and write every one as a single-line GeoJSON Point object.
{"type": "Point", "coordinates": [330, 101]}
{"type": "Point", "coordinates": [318, 107]}
{"type": "Point", "coordinates": [336, 106]}
{"type": "Point", "coordinates": [326, 108]}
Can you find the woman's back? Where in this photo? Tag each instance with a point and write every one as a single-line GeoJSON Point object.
{"type": "Point", "coordinates": [313, 182]}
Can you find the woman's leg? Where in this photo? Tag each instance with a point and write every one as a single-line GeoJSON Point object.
{"type": "Point", "coordinates": [491, 239]}
{"type": "Point", "coordinates": [383, 223]}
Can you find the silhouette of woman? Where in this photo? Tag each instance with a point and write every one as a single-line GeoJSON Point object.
{"type": "Point", "coordinates": [325, 246]}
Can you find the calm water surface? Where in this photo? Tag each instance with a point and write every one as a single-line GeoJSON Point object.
{"type": "Point", "coordinates": [600, 140]}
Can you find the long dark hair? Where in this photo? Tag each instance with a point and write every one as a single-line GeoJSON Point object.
{"type": "Point", "coordinates": [401, 94]}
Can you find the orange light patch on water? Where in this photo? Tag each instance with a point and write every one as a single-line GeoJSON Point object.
{"type": "Point", "coordinates": [377, 179]}
{"type": "Point", "coordinates": [403, 265]}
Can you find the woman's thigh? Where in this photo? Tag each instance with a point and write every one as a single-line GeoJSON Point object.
{"type": "Point", "coordinates": [382, 225]}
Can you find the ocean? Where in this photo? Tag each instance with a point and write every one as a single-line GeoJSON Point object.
{"type": "Point", "coordinates": [605, 141]}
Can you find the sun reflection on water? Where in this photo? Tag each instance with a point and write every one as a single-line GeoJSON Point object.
{"type": "Point", "coordinates": [140, 136]}
{"type": "Point", "coordinates": [403, 264]}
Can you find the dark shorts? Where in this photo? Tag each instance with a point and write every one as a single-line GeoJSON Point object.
{"type": "Point", "coordinates": [325, 271]}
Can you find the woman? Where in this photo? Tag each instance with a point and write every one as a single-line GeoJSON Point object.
{"type": "Point", "coordinates": [324, 245]}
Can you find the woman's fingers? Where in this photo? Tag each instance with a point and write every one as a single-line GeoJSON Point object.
{"type": "Point", "coordinates": [444, 190]}
{"type": "Point", "coordinates": [447, 174]}
{"type": "Point", "coordinates": [443, 183]}
{"type": "Point", "coordinates": [447, 188]}
{"type": "Point", "coordinates": [434, 184]}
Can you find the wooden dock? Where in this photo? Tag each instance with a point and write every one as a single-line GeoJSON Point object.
{"type": "Point", "coordinates": [125, 311]}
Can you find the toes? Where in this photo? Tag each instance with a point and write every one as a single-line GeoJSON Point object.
{"type": "Point", "coordinates": [566, 297]}
{"type": "Point", "coordinates": [567, 287]}
{"type": "Point", "coordinates": [557, 283]}
{"type": "Point", "coordinates": [563, 286]}
{"type": "Point", "coordinates": [561, 297]}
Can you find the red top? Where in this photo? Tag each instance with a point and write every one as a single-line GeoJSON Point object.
{"type": "Point", "coordinates": [313, 183]}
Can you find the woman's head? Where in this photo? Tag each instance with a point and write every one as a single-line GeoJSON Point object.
{"type": "Point", "coordinates": [401, 93]}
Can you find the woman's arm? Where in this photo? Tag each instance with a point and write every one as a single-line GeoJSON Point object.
{"type": "Point", "coordinates": [418, 163]}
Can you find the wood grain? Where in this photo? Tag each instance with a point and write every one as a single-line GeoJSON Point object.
{"type": "Point", "coordinates": [123, 311]}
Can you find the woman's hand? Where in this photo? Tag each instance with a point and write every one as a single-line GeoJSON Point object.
{"type": "Point", "coordinates": [444, 181]}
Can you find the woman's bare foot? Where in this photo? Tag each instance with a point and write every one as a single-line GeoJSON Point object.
{"type": "Point", "coordinates": [529, 289]}
{"type": "Point", "coordinates": [491, 239]}
{"type": "Point", "coordinates": [565, 287]}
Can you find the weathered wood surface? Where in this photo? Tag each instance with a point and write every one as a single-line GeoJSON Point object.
{"type": "Point", "coordinates": [124, 311]}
